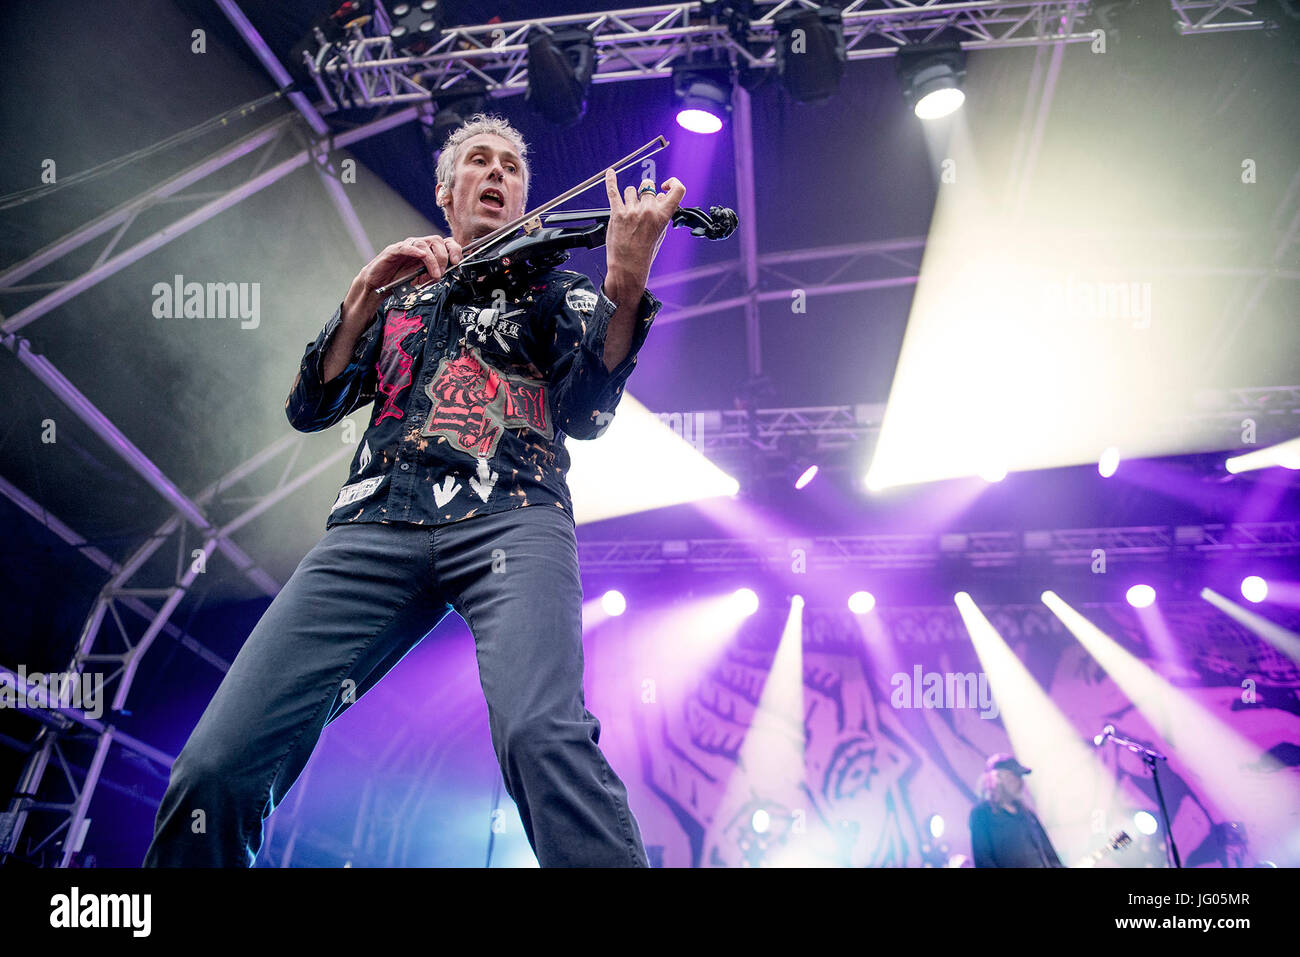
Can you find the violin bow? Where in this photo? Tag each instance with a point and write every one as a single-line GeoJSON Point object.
{"type": "Point", "coordinates": [527, 218]}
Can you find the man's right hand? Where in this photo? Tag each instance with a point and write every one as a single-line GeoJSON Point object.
{"type": "Point", "coordinates": [436, 253]}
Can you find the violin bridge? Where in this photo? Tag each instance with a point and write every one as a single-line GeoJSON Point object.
{"type": "Point", "coordinates": [533, 225]}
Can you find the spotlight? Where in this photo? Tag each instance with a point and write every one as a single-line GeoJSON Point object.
{"type": "Point", "coordinates": [1140, 596]}
{"type": "Point", "coordinates": [936, 826]}
{"type": "Point", "coordinates": [560, 66]}
{"type": "Point", "coordinates": [810, 52]}
{"type": "Point", "coordinates": [760, 821]}
{"type": "Point", "coordinates": [1145, 822]}
{"type": "Point", "coordinates": [703, 94]}
{"type": "Point", "coordinates": [805, 477]}
{"type": "Point", "coordinates": [746, 601]}
{"type": "Point", "coordinates": [1254, 588]}
{"type": "Point", "coordinates": [931, 74]}
{"type": "Point", "coordinates": [416, 26]}
{"type": "Point", "coordinates": [993, 472]}
{"type": "Point", "coordinates": [1108, 462]}
{"type": "Point", "coordinates": [861, 602]}
{"type": "Point", "coordinates": [613, 602]}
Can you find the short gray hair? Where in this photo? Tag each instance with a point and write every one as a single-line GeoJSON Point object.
{"type": "Point", "coordinates": [476, 124]}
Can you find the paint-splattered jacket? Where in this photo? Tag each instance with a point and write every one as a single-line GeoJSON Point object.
{"type": "Point", "coordinates": [472, 398]}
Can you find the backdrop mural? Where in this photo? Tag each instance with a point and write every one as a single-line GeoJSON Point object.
{"type": "Point", "coordinates": [878, 760]}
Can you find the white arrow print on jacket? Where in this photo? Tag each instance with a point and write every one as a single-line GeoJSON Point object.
{"type": "Point", "coordinates": [485, 481]}
{"type": "Point", "coordinates": [444, 493]}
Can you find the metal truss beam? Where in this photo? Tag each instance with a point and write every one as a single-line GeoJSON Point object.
{"type": "Point", "coordinates": [1215, 16]}
{"type": "Point", "coordinates": [273, 66]}
{"type": "Point", "coordinates": [328, 175]}
{"type": "Point", "coordinates": [1152, 543]}
{"type": "Point", "coordinates": [835, 428]}
{"type": "Point", "coordinates": [61, 724]}
{"type": "Point", "coordinates": [644, 42]}
{"type": "Point", "coordinates": [161, 237]}
{"type": "Point", "coordinates": [122, 665]}
{"type": "Point", "coordinates": [122, 216]}
{"type": "Point", "coordinates": [742, 129]}
{"type": "Point", "coordinates": [860, 267]}
{"type": "Point", "coordinates": [93, 554]}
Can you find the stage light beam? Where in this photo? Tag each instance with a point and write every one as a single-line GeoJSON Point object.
{"type": "Point", "coordinates": [1108, 463]}
{"type": "Point", "coordinates": [1246, 783]}
{"type": "Point", "coordinates": [1145, 822]}
{"type": "Point", "coordinates": [1140, 596]}
{"type": "Point", "coordinates": [614, 603]}
{"type": "Point", "coordinates": [1283, 639]}
{"type": "Point", "coordinates": [639, 463]}
{"type": "Point", "coordinates": [1254, 589]}
{"type": "Point", "coordinates": [861, 602]}
{"type": "Point", "coordinates": [1283, 455]}
{"type": "Point", "coordinates": [744, 601]}
{"type": "Point", "coordinates": [1067, 773]}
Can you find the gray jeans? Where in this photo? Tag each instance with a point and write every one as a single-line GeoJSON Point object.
{"type": "Point", "coordinates": [361, 599]}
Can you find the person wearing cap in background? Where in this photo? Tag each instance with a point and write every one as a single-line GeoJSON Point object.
{"type": "Point", "coordinates": [1004, 832]}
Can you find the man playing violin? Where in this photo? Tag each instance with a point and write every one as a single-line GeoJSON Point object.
{"type": "Point", "coordinates": [456, 499]}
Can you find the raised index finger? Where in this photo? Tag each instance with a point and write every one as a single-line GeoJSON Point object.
{"type": "Point", "coordinates": [611, 187]}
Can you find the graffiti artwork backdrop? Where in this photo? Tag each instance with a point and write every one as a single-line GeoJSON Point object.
{"type": "Point", "coordinates": [894, 719]}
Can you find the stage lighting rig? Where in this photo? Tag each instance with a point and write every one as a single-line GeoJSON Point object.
{"type": "Point", "coordinates": [454, 108]}
{"type": "Point", "coordinates": [702, 90]}
{"type": "Point", "coordinates": [416, 26]}
{"type": "Point", "coordinates": [810, 52]}
{"type": "Point", "coordinates": [736, 15]}
{"type": "Point", "coordinates": [560, 66]}
{"type": "Point", "coordinates": [332, 27]}
{"type": "Point", "coordinates": [931, 74]}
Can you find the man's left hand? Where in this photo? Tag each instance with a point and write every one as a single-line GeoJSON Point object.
{"type": "Point", "coordinates": [637, 224]}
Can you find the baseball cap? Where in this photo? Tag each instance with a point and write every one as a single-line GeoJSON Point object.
{"type": "Point", "coordinates": [1004, 761]}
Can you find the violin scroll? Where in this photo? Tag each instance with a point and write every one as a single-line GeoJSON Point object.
{"type": "Point", "coordinates": [718, 223]}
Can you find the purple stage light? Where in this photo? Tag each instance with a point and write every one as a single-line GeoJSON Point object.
{"type": "Point", "coordinates": [613, 602]}
{"type": "Point", "coordinates": [808, 474]}
{"type": "Point", "coordinates": [699, 121]}
{"type": "Point", "coordinates": [1140, 596]}
{"type": "Point", "coordinates": [1254, 588]}
{"type": "Point", "coordinates": [1108, 463]}
{"type": "Point", "coordinates": [745, 600]}
{"type": "Point", "coordinates": [861, 602]}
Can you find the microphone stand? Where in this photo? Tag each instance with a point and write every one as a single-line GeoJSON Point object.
{"type": "Point", "coordinates": [1149, 757]}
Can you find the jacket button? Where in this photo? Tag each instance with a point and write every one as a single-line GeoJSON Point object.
{"type": "Point", "coordinates": [406, 466]}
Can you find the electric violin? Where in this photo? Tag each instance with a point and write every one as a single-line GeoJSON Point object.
{"type": "Point", "coordinates": [530, 244]}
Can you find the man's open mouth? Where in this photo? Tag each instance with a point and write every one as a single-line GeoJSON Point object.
{"type": "Point", "coordinates": [493, 198]}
